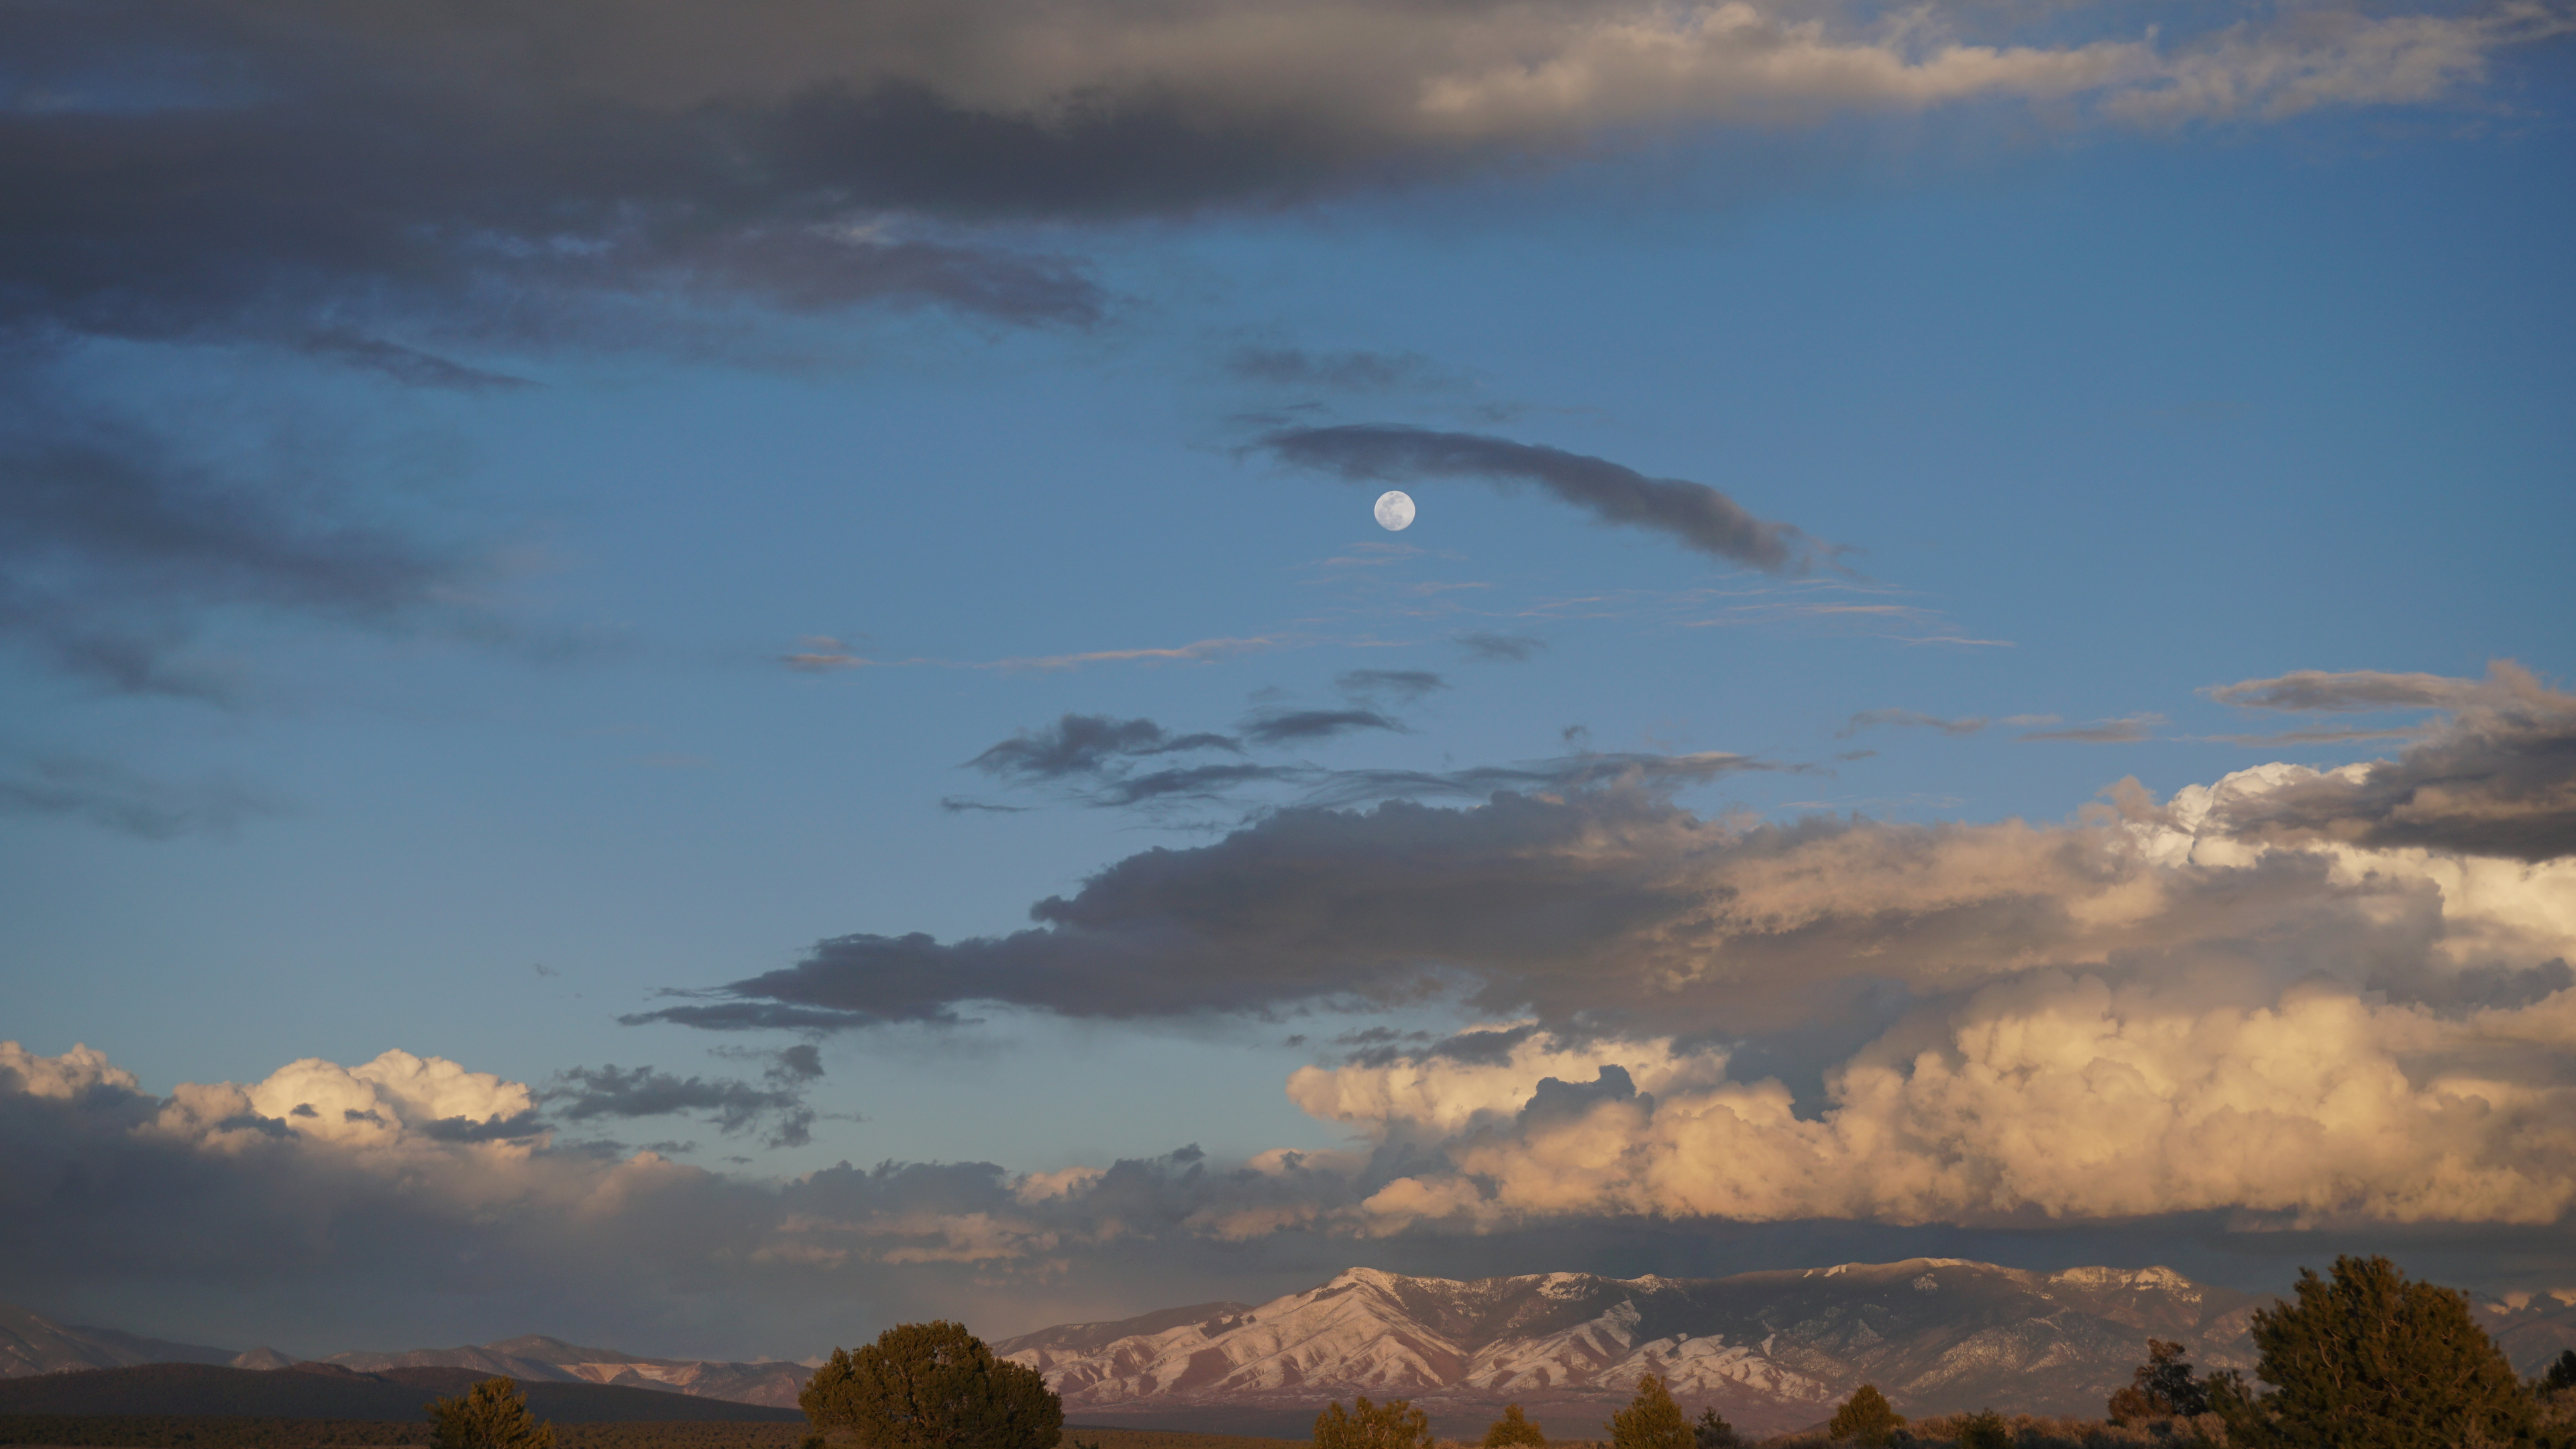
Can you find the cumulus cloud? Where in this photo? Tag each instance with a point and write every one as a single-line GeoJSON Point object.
{"type": "Point", "coordinates": [1694, 514]}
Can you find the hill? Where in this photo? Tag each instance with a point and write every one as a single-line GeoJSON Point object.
{"type": "Point", "coordinates": [325, 1391]}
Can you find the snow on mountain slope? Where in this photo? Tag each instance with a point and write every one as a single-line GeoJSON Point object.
{"type": "Point", "coordinates": [539, 1359]}
{"type": "Point", "coordinates": [1770, 1350]}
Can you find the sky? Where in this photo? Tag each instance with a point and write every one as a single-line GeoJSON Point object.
{"type": "Point", "coordinates": [707, 677]}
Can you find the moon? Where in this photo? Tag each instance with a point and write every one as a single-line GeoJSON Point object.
{"type": "Point", "coordinates": [1394, 511]}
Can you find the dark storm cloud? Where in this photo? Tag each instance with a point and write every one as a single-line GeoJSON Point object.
{"type": "Point", "coordinates": [1290, 726]}
{"type": "Point", "coordinates": [1404, 685]}
{"type": "Point", "coordinates": [2496, 776]}
{"type": "Point", "coordinates": [1488, 648]}
{"type": "Point", "coordinates": [1909, 719]}
{"type": "Point", "coordinates": [1087, 744]}
{"type": "Point", "coordinates": [1696, 515]}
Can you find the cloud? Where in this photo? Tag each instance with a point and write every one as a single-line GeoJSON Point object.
{"type": "Point", "coordinates": [580, 1094]}
{"type": "Point", "coordinates": [1406, 686]}
{"type": "Point", "coordinates": [1348, 371]}
{"type": "Point", "coordinates": [1910, 719]}
{"type": "Point", "coordinates": [2495, 776]}
{"type": "Point", "coordinates": [2129, 729]}
{"type": "Point", "coordinates": [1694, 514]}
{"type": "Point", "coordinates": [1290, 726]}
{"type": "Point", "coordinates": [117, 543]}
{"type": "Point", "coordinates": [1088, 744]}
{"type": "Point", "coordinates": [1489, 648]}
{"type": "Point", "coordinates": [110, 795]}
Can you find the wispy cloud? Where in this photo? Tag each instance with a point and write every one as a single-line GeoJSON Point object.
{"type": "Point", "coordinates": [2128, 729]}
{"type": "Point", "coordinates": [1693, 514]}
{"type": "Point", "coordinates": [1909, 719]}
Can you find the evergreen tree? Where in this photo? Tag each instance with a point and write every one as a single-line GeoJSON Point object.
{"type": "Point", "coordinates": [1985, 1429]}
{"type": "Point", "coordinates": [1395, 1424]}
{"type": "Point", "coordinates": [2163, 1388]}
{"type": "Point", "coordinates": [1866, 1418]}
{"type": "Point", "coordinates": [493, 1415]}
{"type": "Point", "coordinates": [1652, 1420]}
{"type": "Point", "coordinates": [1713, 1432]}
{"type": "Point", "coordinates": [1514, 1427]}
{"type": "Point", "coordinates": [2370, 1360]}
{"type": "Point", "coordinates": [933, 1386]}
{"type": "Point", "coordinates": [2562, 1374]}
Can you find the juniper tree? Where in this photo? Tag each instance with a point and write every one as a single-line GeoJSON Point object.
{"type": "Point", "coordinates": [2162, 1388]}
{"type": "Point", "coordinates": [1395, 1424]}
{"type": "Point", "coordinates": [1514, 1427]}
{"type": "Point", "coordinates": [2370, 1360]}
{"type": "Point", "coordinates": [933, 1386]}
{"type": "Point", "coordinates": [1713, 1432]}
{"type": "Point", "coordinates": [1866, 1418]}
{"type": "Point", "coordinates": [1652, 1420]}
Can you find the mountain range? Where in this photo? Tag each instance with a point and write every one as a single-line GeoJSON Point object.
{"type": "Point", "coordinates": [1770, 1350]}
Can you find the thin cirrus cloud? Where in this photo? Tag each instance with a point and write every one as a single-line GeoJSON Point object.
{"type": "Point", "coordinates": [1909, 719]}
{"type": "Point", "coordinates": [2127, 730]}
{"type": "Point", "coordinates": [1693, 514]}
{"type": "Point", "coordinates": [1486, 647]}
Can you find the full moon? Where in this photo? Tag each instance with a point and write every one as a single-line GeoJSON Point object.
{"type": "Point", "coordinates": [1394, 512]}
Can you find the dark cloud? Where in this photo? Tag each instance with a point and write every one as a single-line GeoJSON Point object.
{"type": "Point", "coordinates": [1910, 719]}
{"type": "Point", "coordinates": [1341, 371]}
{"type": "Point", "coordinates": [1567, 772]}
{"type": "Point", "coordinates": [2356, 692]}
{"type": "Point", "coordinates": [1558, 1100]}
{"type": "Point", "coordinates": [1290, 726]}
{"type": "Point", "coordinates": [580, 1094]}
{"type": "Point", "coordinates": [960, 805]}
{"type": "Point", "coordinates": [115, 543]}
{"type": "Point", "coordinates": [119, 799]}
{"type": "Point", "coordinates": [1489, 648]}
{"type": "Point", "coordinates": [2496, 776]}
{"type": "Point", "coordinates": [1405, 685]}
{"type": "Point", "coordinates": [1194, 782]}
{"type": "Point", "coordinates": [1087, 744]}
{"type": "Point", "coordinates": [2126, 731]}
{"type": "Point", "coordinates": [1696, 515]}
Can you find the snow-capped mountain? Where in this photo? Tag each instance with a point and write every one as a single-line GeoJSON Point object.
{"type": "Point", "coordinates": [538, 1359]}
{"type": "Point", "coordinates": [1770, 1350]}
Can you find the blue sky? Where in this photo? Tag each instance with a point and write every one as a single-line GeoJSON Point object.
{"type": "Point", "coordinates": [471, 721]}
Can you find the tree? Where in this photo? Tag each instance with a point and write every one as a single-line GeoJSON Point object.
{"type": "Point", "coordinates": [1985, 1429]}
{"type": "Point", "coordinates": [1866, 1418]}
{"type": "Point", "coordinates": [1514, 1427]}
{"type": "Point", "coordinates": [933, 1386]}
{"type": "Point", "coordinates": [1395, 1424]}
{"type": "Point", "coordinates": [1713, 1432]}
{"type": "Point", "coordinates": [493, 1415]}
{"type": "Point", "coordinates": [1652, 1420]}
{"type": "Point", "coordinates": [2370, 1360]}
{"type": "Point", "coordinates": [2560, 1375]}
{"type": "Point", "coordinates": [2162, 1389]}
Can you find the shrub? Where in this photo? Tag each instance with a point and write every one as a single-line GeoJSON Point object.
{"type": "Point", "coordinates": [1985, 1429]}
{"type": "Point", "coordinates": [493, 1415]}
